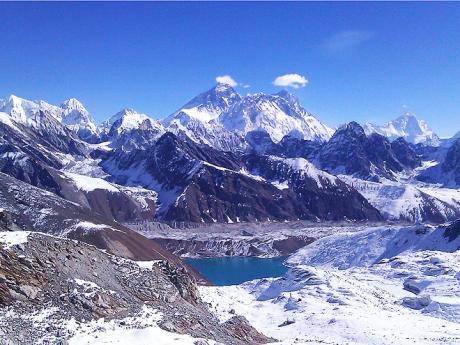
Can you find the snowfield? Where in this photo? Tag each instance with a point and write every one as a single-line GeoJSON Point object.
{"type": "Point", "coordinates": [377, 286]}
{"type": "Point", "coordinates": [12, 238]}
{"type": "Point", "coordinates": [142, 329]}
{"type": "Point", "coordinates": [89, 184]}
{"type": "Point", "coordinates": [408, 200]}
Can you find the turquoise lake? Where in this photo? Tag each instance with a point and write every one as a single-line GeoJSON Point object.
{"type": "Point", "coordinates": [236, 270]}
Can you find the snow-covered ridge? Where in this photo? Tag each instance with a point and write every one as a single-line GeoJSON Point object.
{"type": "Point", "coordinates": [278, 115]}
{"type": "Point", "coordinates": [24, 111]}
{"type": "Point", "coordinates": [206, 106]}
{"type": "Point", "coordinates": [408, 127]}
{"type": "Point", "coordinates": [308, 169]}
{"type": "Point", "coordinates": [76, 117]}
{"type": "Point", "coordinates": [71, 113]}
{"type": "Point", "coordinates": [222, 112]}
{"type": "Point", "coordinates": [129, 119]}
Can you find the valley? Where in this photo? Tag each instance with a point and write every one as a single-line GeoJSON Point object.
{"type": "Point", "coordinates": [229, 173]}
{"type": "Point", "coordinates": [194, 228]}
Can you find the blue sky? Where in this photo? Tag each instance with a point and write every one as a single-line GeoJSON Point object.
{"type": "Point", "coordinates": [363, 61]}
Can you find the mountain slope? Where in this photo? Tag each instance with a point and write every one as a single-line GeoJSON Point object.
{"type": "Point", "coordinates": [200, 184]}
{"type": "Point", "coordinates": [129, 130]}
{"type": "Point", "coordinates": [351, 152]}
{"type": "Point", "coordinates": [61, 291]}
{"type": "Point", "coordinates": [446, 170]}
{"type": "Point", "coordinates": [197, 119]}
{"type": "Point", "coordinates": [384, 285]}
{"type": "Point", "coordinates": [78, 119]}
{"type": "Point", "coordinates": [33, 209]}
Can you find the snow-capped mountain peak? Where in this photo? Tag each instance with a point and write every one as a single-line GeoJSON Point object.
{"type": "Point", "coordinates": [71, 114]}
{"type": "Point", "coordinates": [278, 115]}
{"type": "Point", "coordinates": [74, 104]}
{"type": "Point", "coordinates": [25, 111]}
{"type": "Point", "coordinates": [76, 117]}
{"type": "Point", "coordinates": [408, 127]}
{"type": "Point", "coordinates": [289, 97]}
{"type": "Point", "coordinates": [206, 106]}
{"type": "Point", "coordinates": [129, 119]}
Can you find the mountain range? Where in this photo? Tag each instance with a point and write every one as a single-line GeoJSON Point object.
{"type": "Point", "coordinates": [223, 157]}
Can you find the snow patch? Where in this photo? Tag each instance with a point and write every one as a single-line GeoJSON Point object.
{"type": "Point", "coordinates": [89, 184]}
{"type": "Point", "coordinates": [12, 238]}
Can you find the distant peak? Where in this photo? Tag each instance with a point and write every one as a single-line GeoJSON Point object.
{"type": "Point", "coordinates": [408, 114]}
{"type": "Point", "coordinates": [72, 103]}
{"type": "Point", "coordinates": [223, 88]}
{"type": "Point", "coordinates": [352, 126]}
{"type": "Point", "coordinates": [127, 111]}
{"type": "Point", "coordinates": [286, 95]}
{"type": "Point", "coordinates": [14, 99]}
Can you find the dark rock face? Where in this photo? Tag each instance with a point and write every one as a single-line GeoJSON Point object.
{"type": "Point", "coordinates": [290, 146]}
{"type": "Point", "coordinates": [213, 186]}
{"type": "Point", "coordinates": [294, 147]}
{"type": "Point", "coordinates": [453, 230]}
{"type": "Point", "coordinates": [29, 154]}
{"type": "Point", "coordinates": [451, 163]}
{"type": "Point", "coordinates": [33, 156]}
{"type": "Point", "coordinates": [261, 143]}
{"type": "Point", "coordinates": [405, 153]}
{"type": "Point", "coordinates": [220, 191]}
{"type": "Point", "coordinates": [319, 195]}
{"type": "Point", "coordinates": [345, 152]}
{"type": "Point", "coordinates": [215, 195]}
{"type": "Point", "coordinates": [380, 153]}
{"type": "Point", "coordinates": [447, 172]}
{"type": "Point", "coordinates": [351, 152]}
{"type": "Point", "coordinates": [24, 168]}
{"type": "Point", "coordinates": [174, 162]}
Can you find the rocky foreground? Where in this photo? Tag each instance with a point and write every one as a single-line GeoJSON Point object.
{"type": "Point", "coordinates": [59, 291]}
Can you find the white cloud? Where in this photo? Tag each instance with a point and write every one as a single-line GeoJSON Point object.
{"type": "Point", "coordinates": [293, 80]}
{"type": "Point", "coordinates": [226, 79]}
{"type": "Point", "coordinates": [405, 106]}
{"type": "Point", "coordinates": [245, 85]}
{"type": "Point", "coordinates": [345, 40]}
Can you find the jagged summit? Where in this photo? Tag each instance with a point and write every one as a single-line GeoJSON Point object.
{"type": "Point", "coordinates": [72, 103]}
{"type": "Point", "coordinates": [407, 126]}
{"type": "Point", "coordinates": [76, 117]}
{"type": "Point", "coordinates": [353, 127]}
{"type": "Point", "coordinates": [279, 115]}
{"type": "Point", "coordinates": [25, 111]}
{"type": "Point", "coordinates": [129, 119]}
{"type": "Point", "coordinates": [130, 130]}
{"type": "Point", "coordinates": [221, 114]}
{"type": "Point", "coordinates": [71, 114]}
{"type": "Point", "coordinates": [206, 106]}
